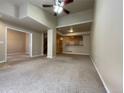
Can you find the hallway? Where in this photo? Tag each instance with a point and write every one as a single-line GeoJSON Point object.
{"type": "Point", "coordinates": [63, 74]}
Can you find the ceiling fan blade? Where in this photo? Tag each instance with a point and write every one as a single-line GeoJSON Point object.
{"type": "Point", "coordinates": [66, 11]}
{"type": "Point", "coordinates": [68, 1]}
{"type": "Point", "coordinates": [47, 5]}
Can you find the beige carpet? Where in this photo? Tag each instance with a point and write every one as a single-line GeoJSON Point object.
{"type": "Point", "coordinates": [63, 74]}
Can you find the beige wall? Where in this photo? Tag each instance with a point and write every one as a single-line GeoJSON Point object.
{"type": "Point", "coordinates": [37, 44]}
{"type": "Point", "coordinates": [16, 41]}
{"type": "Point", "coordinates": [107, 43]}
{"type": "Point", "coordinates": [2, 41]}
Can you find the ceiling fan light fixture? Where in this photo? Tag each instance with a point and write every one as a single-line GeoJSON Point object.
{"type": "Point", "coordinates": [58, 9]}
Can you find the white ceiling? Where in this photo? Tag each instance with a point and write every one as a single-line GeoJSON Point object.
{"type": "Point", "coordinates": [76, 28]}
{"type": "Point", "coordinates": [76, 6]}
{"type": "Point", "coordinates": [25, 23]}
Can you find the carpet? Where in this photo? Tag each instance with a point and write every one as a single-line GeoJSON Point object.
{"type": "Point", "coordinates": [63, 74]}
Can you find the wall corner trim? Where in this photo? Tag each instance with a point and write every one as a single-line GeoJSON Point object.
{"type": "Point", "coordinates": [104, 84]}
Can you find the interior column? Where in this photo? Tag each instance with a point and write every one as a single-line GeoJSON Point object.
{"type": "Point", "coordinates": [51, 46]}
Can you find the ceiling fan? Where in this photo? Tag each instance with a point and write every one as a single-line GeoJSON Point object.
{"type": "Point", "coordinates": [58, 6]}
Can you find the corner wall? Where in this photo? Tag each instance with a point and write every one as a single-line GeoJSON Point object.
{"type": "Point", "coordinates": [107, 43]}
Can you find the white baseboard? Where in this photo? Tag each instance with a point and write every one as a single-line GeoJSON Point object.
{"type": "Point", "coordinates": [2, 61]}
{"type": "Point", "coordinates": [51, 57]}
{"type": "Point", "coordinates": [76, 53]}
{"type": "Point", "coordinates": [37, 55]}
{"type": "Point", "coordinates": [104, 84]}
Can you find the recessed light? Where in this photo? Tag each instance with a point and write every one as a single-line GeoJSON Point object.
{"type": "Point", "coordinates": [71, 30]}
{"type": "Point", "coordinates": [61, 38]}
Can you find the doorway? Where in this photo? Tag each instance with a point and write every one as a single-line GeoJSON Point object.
{"type": "Point", "coordinates": [18, 45]}
{"type": "Point", "coordinates": [59, 44]}
{"type": "Point", "coordinates": [45, 44]}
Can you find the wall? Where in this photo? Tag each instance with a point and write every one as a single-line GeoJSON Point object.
{"type": "Point", "coordinates": [107, 43]}
{"type": "Point", "coordinates": [83, 50]}
{"type": "Point", "coordinates": [2, 42]}
{"type": "Point", "coordinates": [7, 8]}
{"type": "Point", "coordinates": [37, 44]}
{"type": "Point", "coordinates": [36, 38]}
{"type": "Point", "coordinates": [76, 18]}
{"type": "Point", "coordinates": [41, 16]}
{"type": "Point", "coordinates": [16, 41]}
{"type": "Point", "coordinates": [27, 44]}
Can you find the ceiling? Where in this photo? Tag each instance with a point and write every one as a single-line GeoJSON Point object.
{"type": "Point", "coordinates": [76, 6]}
{"type": "Point", "coordinates": [76, 28]}
{"type": "Point", "coordinates": [25, 23]}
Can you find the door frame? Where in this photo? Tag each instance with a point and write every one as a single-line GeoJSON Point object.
{"type": "Point", "coordinates": [18, 30]}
